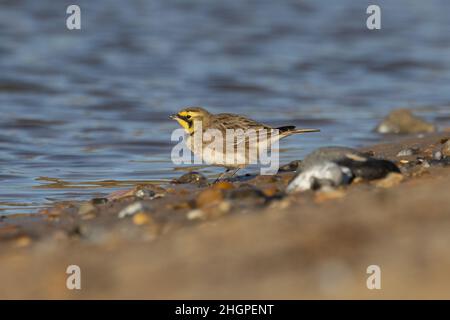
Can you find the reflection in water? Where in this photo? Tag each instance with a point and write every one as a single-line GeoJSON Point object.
{"type": "Point", "coordinates": [90, 108]}
{"type": "Point", "coordinates": [55, 183]}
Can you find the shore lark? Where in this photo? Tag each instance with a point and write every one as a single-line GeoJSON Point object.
{"type": "Point", "coordinates": [197, 121]}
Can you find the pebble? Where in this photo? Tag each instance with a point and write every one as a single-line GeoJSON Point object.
{"type": "Point", "coordinates": [322, 196]}
{"type": "Point", "coordinates": [99, 200]}
{"type": "Point", "coordinates": [223, 185]}
{"type": "Point", "coordinates": [291, 166]}
{"type": "Point", "coordinates": [208, 197]}
{"type": "Point", "coordinates": [145, 193]}
{"type": "Point", "coordinates": [324, 155]}
{"type": "Point", "coordinates": [208, 212]}
{"type": "Point", "coordinates": [446, 149]}
{"type": "Point", "coordinates": [192, 177]}
{"type": "Point", "coordinates": [407, 152]}
{"type": "Point", "coordinates": [423, 162]}
{"type": "Point", "coordinates": [141, 218]}
{"type": "Point", "coordinates": [132, 209]}
{"type": "Point", "coordinates": [176, 205]}
{"type": "Point", "coordinates": [318, 176]}
{"type": "Point", "coordinates": [270, 191]}
{"type": "Point", "coordinates": [426, 164]}
{"type": "Point", "coordinates": [246, 191]}
{"type": "Point", "coordinates": [370, 169]}
{"type": "Point", "coordinates": [392, 179]}
{"type": "Point", "coordinates": [329, 167]}
{"type": "Point", "coordinates": [224, 206]}
{"type": "Point", "coordinates": [402, 121]}
{"type": "Point", "coordinates": [437, 155]}
{"type": "Point", "coordinates": [195, 214]}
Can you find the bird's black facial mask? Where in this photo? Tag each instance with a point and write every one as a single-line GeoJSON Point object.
{"type": "Point", "coordinates": [185, 120]}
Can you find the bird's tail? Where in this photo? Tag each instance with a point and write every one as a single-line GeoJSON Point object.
{"type": "Point", "coordinates": [288, 130]}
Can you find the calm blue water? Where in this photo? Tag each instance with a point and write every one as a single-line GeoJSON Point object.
{"type": "Point", "coordinates": [81, 107]}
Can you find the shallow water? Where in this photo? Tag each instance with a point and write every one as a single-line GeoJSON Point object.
{"type": "Point", "coordinates": [86, 112]}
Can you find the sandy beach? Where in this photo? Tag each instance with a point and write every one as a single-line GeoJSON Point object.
{"type": "Point", "coordinates": [245, 238]}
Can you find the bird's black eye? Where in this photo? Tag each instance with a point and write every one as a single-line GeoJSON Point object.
{"type": "Point", "coordinates": [188, 117]}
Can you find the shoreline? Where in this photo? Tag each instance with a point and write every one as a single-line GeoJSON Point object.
{"type": "Point", "coordinates": [244, 239]}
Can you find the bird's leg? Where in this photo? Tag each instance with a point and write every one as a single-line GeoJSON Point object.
{"type": "Point", "coordinates": [233, 172]}
{"type": "Point", "coordinates": [222, 175]}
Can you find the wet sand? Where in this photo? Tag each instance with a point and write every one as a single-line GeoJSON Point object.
{"type": "Point", "coordinates": [244, 239]}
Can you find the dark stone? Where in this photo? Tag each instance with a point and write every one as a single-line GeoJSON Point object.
{"type": "Point", "coordinates": [145, 193]}
{"type": "Point", "coordinates": [370, 169]}
{"type": "Point", "coordinates": [245, 191]}
{"type": "Point", "coordinates": [440, 163]}
{"type": "Point", "coordinates": [192, 177]}
{"type": "Point", "coordinates": [99, 201]}
{"type": "Point", "coordinates": [328, 154]}
{"type": "Point", "coordinates": [291, 166]}
{"type": "Point", "coordinates": [403, 121]}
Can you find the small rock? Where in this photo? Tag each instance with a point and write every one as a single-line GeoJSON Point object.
{"type": "Point", "coordinates": [322, 196]}
{"type": "Point", "coordinates": [141, 218]}
{"type": "Point", "coordinates": [195, 214]}
{"type": "Point", "coordinates": [426, 164]}
{"type": "Point", "coordinates": [428, 152]}
{"type": "Point", "coordinates": [223, 185]}
{"type": "Point", "coordinates": [443, 162]}
{"type": "Point", "coordinates": [437, 155]}
{"type": "Point", "coordinates": [99, 200]}
{"type": "Point", "coordinates": [280, 204]}
{"type": "Point", "coordinates": [192, 177]}
{"type": "Point", "coordinates": [392, 179]}
{"type": "Point", "coordinates": [145, 193]}
{"type": "Point", "coordinates": [327, 174]}
{"type": "Point", "coordinates": [247, 196]}
{"type": "Point", "coordinates": [224, 206]}
{"type": "Point", "coordinates": [423, 162]}
{"type": "Point", "coordinates": [208, 197]}
{"type": "Point", "coordinates": [403, 121]}
{"type": "Point", "coordinates": [446, 149]}
{"type": "Point", "coordinates": [407, 152]}
{"type": "Point", "coordinates": [324, 155]}
{"type": "Point", "coordinates": [132, 209]}
{"type": "Point", "coordinates": [209, 212]}
{"type": "Point", "coordinates": [270, 191]}
{"type": "Point", "coordinates": [370, 169]}
{"type": "Point", "coordinates": [147, 189]}
{"type": "Point", "coordinates": [291, 166]}
{"type": "Point", "coordinates": [246, 191]}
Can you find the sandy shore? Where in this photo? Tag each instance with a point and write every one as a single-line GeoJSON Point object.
{"type": "Point", "coordinates": [244, 239]}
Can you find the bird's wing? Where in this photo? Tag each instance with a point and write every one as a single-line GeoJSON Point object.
{"type": "Point", "coordinates": [251, 132]}
{"type": "Point", "coordinates": [235, 121]}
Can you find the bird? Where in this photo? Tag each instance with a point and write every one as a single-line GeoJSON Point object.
{"type": "Point", "coordinates": [198, 120]}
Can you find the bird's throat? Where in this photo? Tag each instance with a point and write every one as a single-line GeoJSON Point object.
{"type": "Point", "coordinates": [187, 125]}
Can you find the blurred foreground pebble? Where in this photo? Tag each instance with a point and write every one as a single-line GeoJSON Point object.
{"type": "Point", "coordinates": [403, 121]}
{"type": "Point", "coordinates": [330, 167]}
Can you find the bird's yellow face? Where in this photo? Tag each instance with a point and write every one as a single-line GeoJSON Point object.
{"type": "Point", "coordinates": [188, 118]}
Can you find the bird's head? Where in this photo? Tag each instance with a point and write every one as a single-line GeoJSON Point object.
{"type": "Point", "coordinates": [188, 118]}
